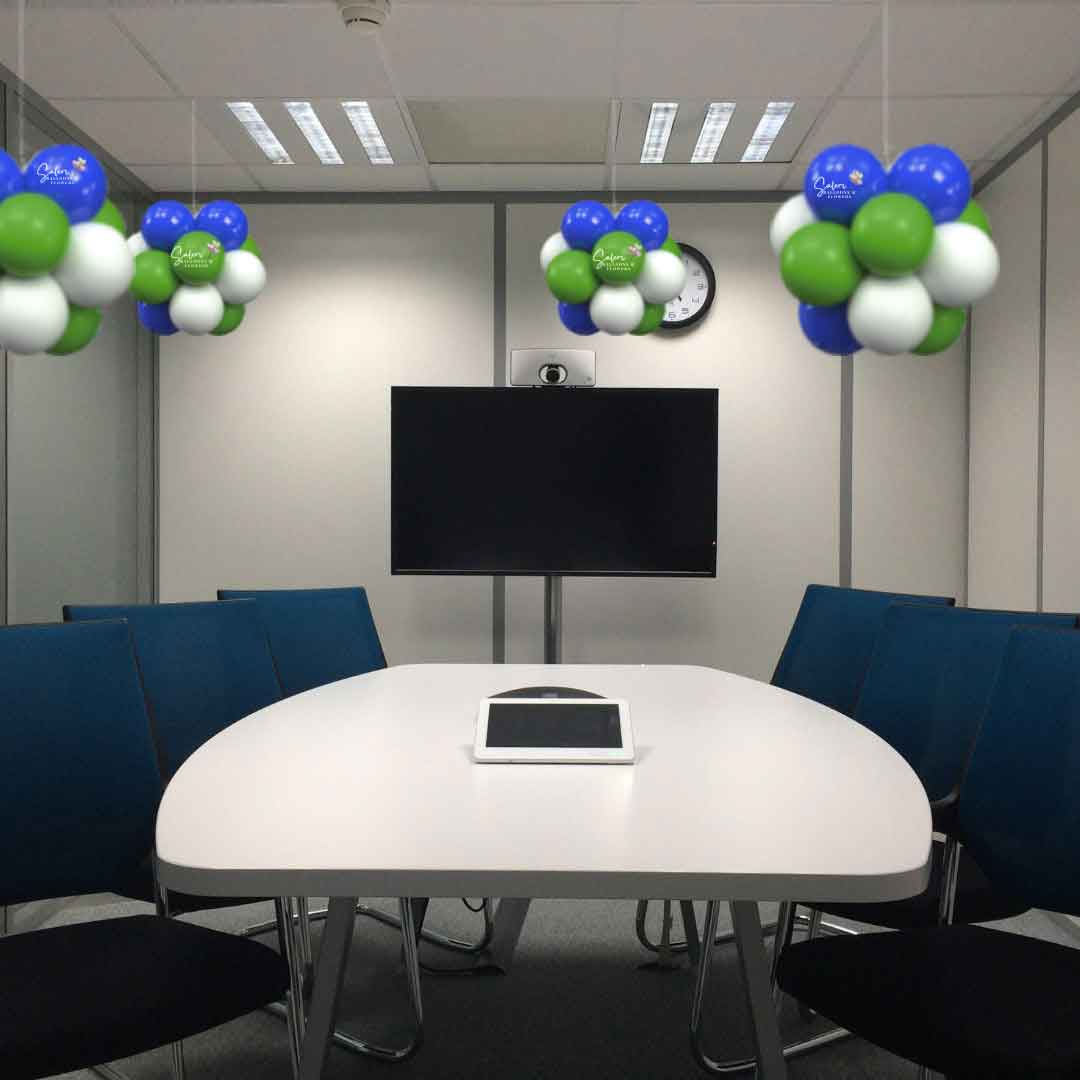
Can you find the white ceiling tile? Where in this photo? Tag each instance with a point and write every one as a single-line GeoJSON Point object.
{"type": "Point", "coordinates": [210, 178]}
{"type": "Point", "coordinates": [341, 177]}
{"type": "Point", "coordinates": [727, 51]}
{"type": "Point", "coordinates": [78, 54]}
{"type": "Point", "coordinates": [567, 178]}
{"type": "Point", "coordinates": [145, 132]}
{"type": "Point", "coordinates": [1027, 47]}
{"type": "Point", "coordinates": [259, 50]}
{"type": "Point", "coordinates": [516, 51]}
{"type": "Point", "coordinates": [660, 178]}
{"type": "Point", "coordinates": [512, 131]}
{"type": "Point", "coordinates": [971, 126]}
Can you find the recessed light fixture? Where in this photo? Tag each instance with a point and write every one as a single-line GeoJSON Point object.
{"type": "Point", "coordinates": [717, 117]}
{"type": "Point", "coordinates": [367, 131]}
{"type": "Point", "coordinates": [260, 132]}
{"type": "Point", "coordinates": [661, 121]}
{"type": "Point", "coordinates": [307, 120]}
{"type": "Point", "coordinates": [772, 120]}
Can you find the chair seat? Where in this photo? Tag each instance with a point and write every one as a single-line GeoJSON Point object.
{"type": "Point", "coordinates": [972, 1003]}
{"type": "Point", "coordinates": [75, 996]}
{"type": "Point", "coordinates": [976, 901]}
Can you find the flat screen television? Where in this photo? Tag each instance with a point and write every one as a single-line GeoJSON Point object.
{"type": "Point", "coordinates": [591, 482]}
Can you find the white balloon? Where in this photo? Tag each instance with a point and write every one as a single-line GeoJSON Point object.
{"type": "Point", "coordinates": [137, 244]}
{"type": "Point", "coordinates": [662, 277]}
{"type": "Point", "coordinates": [97, 267]}
{"type": "Point", "coordinates": [890, 315]}
{"type": "Point", "coordinates": [554, 245]}
{"type": "Point", "coordinates": [33, 314]}
{"type": "Point", "coordinates": [242, 279]}
{"type": "Point", "coordinates": [962, 266]}
{"type": "Point", "coordinates": [789, 219]}
{"type": "Point", "coordinates": [196, 309]}
{"type": "Point", "coordinates": [616, 309]}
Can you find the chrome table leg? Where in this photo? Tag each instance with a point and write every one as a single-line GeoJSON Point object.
{"type": "Point", "coordinates": [725, 938]}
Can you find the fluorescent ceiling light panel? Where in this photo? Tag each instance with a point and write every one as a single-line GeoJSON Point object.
{"type": "Point", "coordinates": [661, 121]}
{"type": "Point", "coordinates": [260, 131]}
{"type": "Point", "coordinates": [717, 117]}
{"type": "Point", "coordinates": [772, 120]}
{"type": "Point", "coordinates": [367, 131]}
{"type": "Point", "coordinates": [307, 120]}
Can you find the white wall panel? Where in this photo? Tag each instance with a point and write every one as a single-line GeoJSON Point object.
{"type": "Point", "coordinates": [1005, 399]}
{"type": "Point", "coordinates": [275, 441]}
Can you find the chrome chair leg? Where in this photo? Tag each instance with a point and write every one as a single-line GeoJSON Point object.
{"type": "Point", "coordinates": [726, 938]}
{"type": "Point", "coordinates": [179, 1070]}
{"type": "Point", "coordinates": [432, 937]}
{"type": "Point", "coordinates": [294, 998]}
{"type": "Point", "coordinates": [161, 903]}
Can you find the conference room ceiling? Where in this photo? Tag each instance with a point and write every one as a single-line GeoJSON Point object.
{"type": "Point", "coordinates": [528, 95]}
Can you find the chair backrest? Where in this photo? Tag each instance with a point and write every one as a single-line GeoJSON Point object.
{"type": "Point", "coordinates": [930, 678]}
{"type": "Point", "coordinates": [317, 635]}
{"type": "Point", "coordinates": [1019, 809]}
{"type": "Point", "coordinates": [204, 666]}
{"type": "Point", "coordinates": [829, 646]}
{"type": "Point", "coordinates": [80, 784]}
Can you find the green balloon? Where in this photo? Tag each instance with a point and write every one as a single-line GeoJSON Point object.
{"type": "Point", "coordinates": [947, 326]}
{"type": "Point", "coordinates": [653, 317]}
{"type": "Point", "coordinates": [34, 234]}
{"type": "Point", "coordinates": [197, 258]}
{"type": "Point", "coordinates": [670, 245]}
{"type": "Point", "coordinates": [891, 235]}
{"type": "Point", "coordinates": [617, 257]}
{"type": "Point", "coordinates": [250, 245]}
{"type": "Point", "coordinates": [109, 215]}
{"type": "Point", "coordinates": [81, 327]}
{"type": "Point", "coordinates": [570, 277]}
{"type": "Point", "coordinates": [818, 266]}
{"type": "Point", "coordinates": [233, 317]}
{"type": "Point", "coordinates": [154, 280]}
{"type": "Point", "coordinates": [975, 215]}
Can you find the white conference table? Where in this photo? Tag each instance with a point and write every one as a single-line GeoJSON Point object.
{"type": "Point", "coordinates": [366, 787]}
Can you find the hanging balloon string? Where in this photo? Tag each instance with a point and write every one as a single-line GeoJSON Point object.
{"type": "Point", "coordinates": [886, 141]}
{"type": "Point", "coordinates": [194, 157]}
{"type": "Point", "coordinates": [20, 64]}
{"type": "Point", "coordinates": [616, 108]}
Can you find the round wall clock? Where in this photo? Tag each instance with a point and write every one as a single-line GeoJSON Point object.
{"type": "Point", "coordinates": [693, 303]}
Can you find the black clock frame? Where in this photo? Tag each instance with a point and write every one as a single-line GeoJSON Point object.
{"type": "Point", "coordinates": [686, 324]}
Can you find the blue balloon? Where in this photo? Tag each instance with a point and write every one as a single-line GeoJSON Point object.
{"type": "Point", "coordinates": [840, 180]}
{"type": "Point", "coordinates": [155, 317]}
{"type": "Point", "coordinates": [576, 318]}
{"type": "Point", "coordinates": [11, 177]}
{"type": "Point", "coordinates": [935, 176]}
{"type": "Point", "coordinates": [72, 177]}
{"type": "Point", "coordinates": [226, 221]}
{"type": "Point", "coordinates": [585, 222]}
{"type": "Point", "coordinates": [165, 222]}
{"type": "Point", "coordinates": [827, 329]}
{"type": "Point", "coordinates": [646, 221]}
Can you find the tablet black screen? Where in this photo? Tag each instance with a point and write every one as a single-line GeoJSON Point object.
{"type": "Point", "coordinates": [553, 725]}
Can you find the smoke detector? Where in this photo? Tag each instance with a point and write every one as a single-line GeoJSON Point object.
{"type": "Point", "coordinates": [367, 17]}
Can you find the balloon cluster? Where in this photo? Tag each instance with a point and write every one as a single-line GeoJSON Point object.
{"type": "Point", "coordinates": [886, 260]}
{"type": "Point", "coordinates": [613, 273]}
{"type": "Point", "coordinates": [195, 272]}
{"type": "Point", "coordinates": [62, 251]}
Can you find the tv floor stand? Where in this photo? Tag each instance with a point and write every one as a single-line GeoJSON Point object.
{"type": "Point", "coordinates": [552, 619]}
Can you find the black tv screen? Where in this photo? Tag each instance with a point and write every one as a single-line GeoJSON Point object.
{"type": "Point", "coordinates": [553, 481]}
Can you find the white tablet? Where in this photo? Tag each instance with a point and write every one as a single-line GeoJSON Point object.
{"type": "Point", "coordinates": [593, 731]}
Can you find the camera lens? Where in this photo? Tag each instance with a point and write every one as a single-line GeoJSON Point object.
{"type": "Point", "coordinates": [552, 374]}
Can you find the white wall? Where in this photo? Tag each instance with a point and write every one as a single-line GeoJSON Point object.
{"type": "Point", "coordinates": [275, 441]}
{"type": "Point", "coordinates": [778, 466]}
{"type": "Point", "coordinates": [1005, 398]}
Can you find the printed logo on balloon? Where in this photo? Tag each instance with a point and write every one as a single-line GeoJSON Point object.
{"type": "Point", "coordinates": [62, 251]}
{"type": "Point", "coordinates": [613, 273]}
{"type": "Point", "coordinates": [195, 272]}
{"type": "Point", "coordinates": [888, 261]}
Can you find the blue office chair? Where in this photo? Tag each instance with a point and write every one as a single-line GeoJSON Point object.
{"type": "Point", "coordinates": [78, 800]}
{"type": "Point", "coordinates": [825, 659]}
{"type": "Point", "coordinates": [963, 1000]}
{"type": "Point", "coordinates": [317, 636]}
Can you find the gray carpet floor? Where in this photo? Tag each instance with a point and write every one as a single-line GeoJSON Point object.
{"type": "Point", "coordinates": [576, 1004]}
